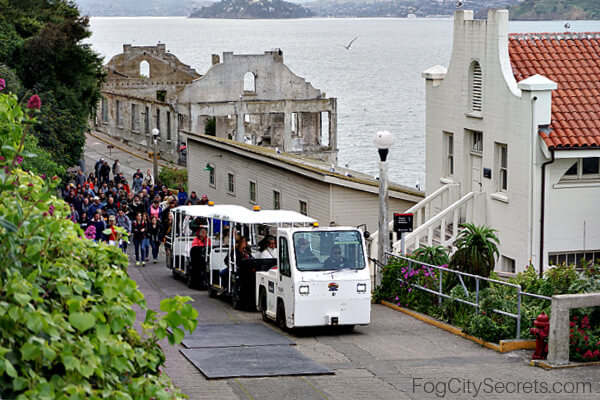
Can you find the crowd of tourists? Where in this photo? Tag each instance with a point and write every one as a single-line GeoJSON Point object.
{"type": "Point", "coordinates": [142, 209]}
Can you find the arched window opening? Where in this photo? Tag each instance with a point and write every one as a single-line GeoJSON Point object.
{"type": "Point", "coordinates": [476, 88]}
{"type": "Point", "coordinates": [249, 82]}
{"type": "Point", "coordinates": [145, 69]}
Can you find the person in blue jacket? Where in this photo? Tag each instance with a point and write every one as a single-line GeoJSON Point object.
{"type": "Point", "coordinates": [182, 196]}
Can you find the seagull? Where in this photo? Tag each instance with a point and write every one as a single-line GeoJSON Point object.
{"type": "Point", "coordinates": [349, 175]}
{"type": "Point", "coordinates": [350, 44]}
{"type": "Point", "coordinates": [459, 4]}
{"type": "Point", "coordinates": [277, 150]}
{"type": "Point", "coordinates": [332, 169]}
{"type": "Point", "coordinates": [418, 185]}
{"type": "Point", "coordinates": [347, 165]}
{"type": "Point", "coordinates": [567, 25]}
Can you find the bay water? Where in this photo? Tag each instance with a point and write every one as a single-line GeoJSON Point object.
{"type": "Point", "coordinates": [377, 81]}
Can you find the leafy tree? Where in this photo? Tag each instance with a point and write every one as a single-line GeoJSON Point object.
{"type": "Point", "coordinates": [41, 42]}
{"type": "Point", "coordinates": [67, 319]}
{"type": "Point", "coordinates": [477, 249]}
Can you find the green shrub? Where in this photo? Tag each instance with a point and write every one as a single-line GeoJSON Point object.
{"type": "Point", "coordinates": [67, 306]}
{"type": "Point", "coordinates": [173, 177]}
{"type": "Point", "coordinates": [491, 328]}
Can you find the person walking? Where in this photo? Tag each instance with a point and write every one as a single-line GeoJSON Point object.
{"type": "Point", "coordinates": [124, 222]}
{"type": "Point", "coordinates": [137, 183]}
{"type": "Point", "coordinates": [149, 179]}
{"type": "Point", "coordinates": [116, 170]}
{"type": "Point", "coordinates": [154, 235]}
{"type": "Point", "coordinates": [146, 241]}
{"type": "Point", "coordinates": [139, 230]}
{"type": "Point", "coordinates": [182, 196]}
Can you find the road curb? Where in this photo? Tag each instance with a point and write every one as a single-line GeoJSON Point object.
{"type": "Point", "coordinates": [502, 347]}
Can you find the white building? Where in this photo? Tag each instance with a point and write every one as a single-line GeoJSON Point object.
{"type": "Point", "coordinates": [513, 133]}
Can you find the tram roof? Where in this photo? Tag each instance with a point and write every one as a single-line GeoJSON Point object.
{"type": "Point", "coordinates": [231, 212]}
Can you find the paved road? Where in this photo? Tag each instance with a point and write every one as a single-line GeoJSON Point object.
{"type": "Point", "coordinates": [396, 357]}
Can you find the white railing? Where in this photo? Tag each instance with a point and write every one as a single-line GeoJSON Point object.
{"type": "Point", "coordinates": [451, 217]}
{"type": "Point", "coordinates": [427, 208]}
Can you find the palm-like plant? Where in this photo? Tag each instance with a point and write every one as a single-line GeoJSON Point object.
{"type": "Point", "coordinates": [477, 250]}
{"type": "Point", "coordinates": [436, 255]}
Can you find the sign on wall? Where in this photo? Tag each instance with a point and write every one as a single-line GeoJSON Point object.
{"type": "Point", "coordinates": [403, 222]}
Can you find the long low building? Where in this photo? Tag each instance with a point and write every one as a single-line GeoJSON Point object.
{"type": "Point", "coordinates": [237, 173]}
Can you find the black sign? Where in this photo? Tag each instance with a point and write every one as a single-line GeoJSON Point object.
{"type": "Point", "coordinates": [487, 173]}
{"type": "Point", "coordinates": [403, 222]}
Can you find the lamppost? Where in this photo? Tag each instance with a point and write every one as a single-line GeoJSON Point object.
{"type": "Point", "coordinates": [155, 135]}
{"type": "Point", "coordinates": [383, 141]}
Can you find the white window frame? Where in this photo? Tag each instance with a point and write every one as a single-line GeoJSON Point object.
{"type": "Point", "coordinates": [501, 168]}
{"type": "Point", "coordinates": [305, 203]}
{"type": "Point", "coordinates": [276, 199]}
{"type": "Point", "coordinates": [580, 176]}
{"type": "Point", "coordinates": [231, 183]}
{"type": "Point", "coordinates": [212, 176]}
{"type": "Point", "coordinates": [449, 154]}
{"type": "Point", "coordinates": [253, 200]}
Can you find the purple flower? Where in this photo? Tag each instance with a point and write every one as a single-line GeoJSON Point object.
{"type": "Point", "coordinates": [396, 298]}
{"type": "Point", "coordinates": [409, 289]}
{"type": "Point", "coordinates": [51, 209]}
{"type": "Point", "coordinates": [34, 102]}
{"type": "Point", "coordinates": [19, 160]}
{"type": "Point", "coordinates": [90, 232]}
{"type": "Point", "coordinates": [2, 84]}
{"type": "Point", "coordinates": [2, 158]}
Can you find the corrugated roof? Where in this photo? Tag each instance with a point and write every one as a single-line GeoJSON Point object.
{"type": "Point", "coordinates": [572, 60]}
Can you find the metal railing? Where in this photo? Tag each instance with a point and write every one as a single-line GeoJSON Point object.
{"type": "Point", "coordinates": [439, 292]}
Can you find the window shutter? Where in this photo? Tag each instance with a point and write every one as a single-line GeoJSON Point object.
{"type": "Point", "coordinates": [476, 88]}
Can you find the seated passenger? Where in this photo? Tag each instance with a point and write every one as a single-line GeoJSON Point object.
{"type": "Point", "coordinates": [269, 251]}
{"type": "Point", "coordinates": [303, 252]}
{"type": "Point", "coordinates": [241, 253]}
{"type": "Point", "coordinates": [335, 261]}
{"type": "Point", "coordinates": [201, 239]}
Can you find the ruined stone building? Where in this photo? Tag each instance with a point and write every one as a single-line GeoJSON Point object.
{"type": "Point", "coordinates": [254, 99]}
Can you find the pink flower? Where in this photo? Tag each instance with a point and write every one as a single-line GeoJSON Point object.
{"type": "Point", "coordinates": [90, 232]}
{"type": "Point", "coordinates": [2, 84]}
{"type": "Point", "coordinates": [51, 209]}
{"type": "Point", "coordinates": [2, 158]}
{"type": "Point", "coordinates": [19, 160]}
{"type": "Point", "coordinates": [34, 102]}
{"type": "Point", "coordinates": [409, 289]}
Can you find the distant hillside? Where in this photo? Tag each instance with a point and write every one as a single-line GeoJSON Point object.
{"type": "Point", "coordinates": [133, 8]}
{"type": "Point", "coordinates": [252, 9]}
{"type": "Point", "coordinates": [556, 9]}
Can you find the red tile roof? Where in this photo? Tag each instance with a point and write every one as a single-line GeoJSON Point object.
{"type": "Point", "coordinates": [572, 60]}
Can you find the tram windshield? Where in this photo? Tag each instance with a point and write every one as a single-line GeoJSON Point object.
{"type": "Point", "coordinates": [328, 250]}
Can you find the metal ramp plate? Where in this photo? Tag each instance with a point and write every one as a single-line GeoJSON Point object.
{"type": "Point", "coordinates": [254, 361]}
{"type": "Point", "coordinates": [234, 335]}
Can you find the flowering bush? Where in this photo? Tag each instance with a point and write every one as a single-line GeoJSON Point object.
{"type": "Point", "coordinates": [584, 341]}
{"type": "Point", "coordinates": [173, 177]}
{"type": "Point", "coordinates": [67, 305]}
{"type": "Point", "coordinates": [397, 278]}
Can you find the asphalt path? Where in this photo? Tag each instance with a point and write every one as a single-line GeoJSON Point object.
{"type": "Point", "coordinates": [395, 357]}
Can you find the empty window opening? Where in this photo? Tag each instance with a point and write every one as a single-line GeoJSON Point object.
{"type": "Point", "coordinates": [476, 91]}
{"type": "Point", "coordinates": [158, 120]}
{"type": "Point", "coordinates": [249, 82]}
{"type": "Point", "coordinates": [161, 95]}
{"type": "Point", "coordinates": [119, 114]}
{"type": "Point", "coordinates": [325, 128]}
{"type": "Point", "coordinates": [104, 110]}
{"type": "Point", "coordinates": [147, 120]}
{"type": "Point", "coordinates": [135, 118]}
{"type": "Point", "coordinates": [144, 69]}
{"type": "Point", "coordinates": [168, 125]}
{"type": "Point", "coordinates": [294, 124]}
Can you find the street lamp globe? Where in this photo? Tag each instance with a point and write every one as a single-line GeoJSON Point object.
{"type": "Point", "coordinates": [155, 132]}
{"type": "Point", "coordinates": [383, 140]}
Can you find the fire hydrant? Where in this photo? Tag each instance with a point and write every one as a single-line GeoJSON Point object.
{"type": "Point", "coordinates": [540, 331]}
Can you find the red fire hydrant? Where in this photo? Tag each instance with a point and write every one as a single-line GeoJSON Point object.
{"type": "Point", "coordinates": [540, 331]}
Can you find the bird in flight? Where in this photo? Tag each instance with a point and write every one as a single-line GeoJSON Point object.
{"type": "Point", "coordinates": [459, 4]}
{"type": "Point", "coordinates": [350, 44]}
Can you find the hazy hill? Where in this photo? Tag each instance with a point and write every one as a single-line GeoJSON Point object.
{"type": "Point", "coordinates": [132, 8]}
{"type": "Point", "coordinates": [556, 9]}
{"type": "Point", "coordinates": [252, 9]}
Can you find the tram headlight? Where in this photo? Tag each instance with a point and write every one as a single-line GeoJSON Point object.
{"type": "Point", "coordinates": [361, 287]}
{"type": "Point", "coordinates": [303, 289]}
